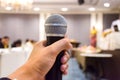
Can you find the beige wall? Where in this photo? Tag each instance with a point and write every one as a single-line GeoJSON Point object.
{"type": "Point", "coordinates": [19, 26]}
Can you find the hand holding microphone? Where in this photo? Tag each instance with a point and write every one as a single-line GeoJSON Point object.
{"type": "Point", "coordinates": [43, 57]}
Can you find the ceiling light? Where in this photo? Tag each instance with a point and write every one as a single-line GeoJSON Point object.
{"type": "Point", "coordinates": [106, 4]}
{"type": "Point", "coordinates": [8, 8]}
{"type": "Point", "coordinates": [64, 9]}
{"type": "Point", "coordinates": [36, 9]}
{"type": "Point", "coordinates": [92, 9]}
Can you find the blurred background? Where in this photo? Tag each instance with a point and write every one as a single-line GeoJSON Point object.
{"type": "Point", "coordinates": [93, 27]}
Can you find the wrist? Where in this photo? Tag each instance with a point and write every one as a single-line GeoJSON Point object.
{"type": "Point", "coordinates": [25, 73]}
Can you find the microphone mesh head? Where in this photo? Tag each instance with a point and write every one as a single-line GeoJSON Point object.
{"type": "Point", "coordinates": [55, 25]}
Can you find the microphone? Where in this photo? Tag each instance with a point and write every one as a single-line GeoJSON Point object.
{"type": "Point", "coordinates": [55, 28]}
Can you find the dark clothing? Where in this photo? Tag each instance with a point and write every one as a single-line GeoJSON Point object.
{"type": "Point", "coordinates": [1, 45]}
{"type": "Point", "coordinates": [5, 78]}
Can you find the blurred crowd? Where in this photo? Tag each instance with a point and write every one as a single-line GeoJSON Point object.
{"type": "Point", "coordinates": [5, 42]}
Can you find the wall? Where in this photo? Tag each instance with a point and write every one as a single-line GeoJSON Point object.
{"type": "Point", "coordinates": [108, 18]}
{"type": "Point", "coordinates": [79, 27]}
{"type": "Point", "coordinates": [19, 26]}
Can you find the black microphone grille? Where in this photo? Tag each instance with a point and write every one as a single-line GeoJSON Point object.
{"type": "Point", "coordinates": [55, 25]}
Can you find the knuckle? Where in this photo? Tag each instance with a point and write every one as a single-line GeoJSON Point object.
{"type": "Point", "coordinates": [66, 42]}
{"type": "Point", "coordinates": [52, 50]}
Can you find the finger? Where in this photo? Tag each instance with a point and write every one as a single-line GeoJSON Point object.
{"type": "Point", "coordinates": [41, 43]}
{"type": "Point", "coordinates": [64, 67]}
{"type": "Point", "coordinates": [65, 72]}
{"type": "Point", "coordinates": [65, 58]}
{"type": "Point", "coordinates": [63, 44]}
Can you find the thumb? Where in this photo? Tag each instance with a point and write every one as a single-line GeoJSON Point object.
{"type": "Point", "coordinates": [58, 46]}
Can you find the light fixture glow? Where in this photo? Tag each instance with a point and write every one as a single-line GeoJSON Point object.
{"type": "Point", "coordinates": [8, 8]}
{"type": "Point", "coordinates": [36, 9]}
{"type": "Point", "coordinates": [64, 9]}
{"type": "Point", "coordinates": [91, 9]}
{"type": "Point", "coordinates": [106, 4]}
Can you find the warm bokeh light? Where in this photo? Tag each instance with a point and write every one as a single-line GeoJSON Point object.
{"type": "Point", "coordinates": [64, 9]}
{"type": "Point", "coordinates": [16, 4]}
{"type": "Point", "coordinates": [106, 4]}
{"type": "Point", "coordinates": [91, 9]}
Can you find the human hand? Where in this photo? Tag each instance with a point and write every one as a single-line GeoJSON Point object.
{"type": "Point", "coordinates": [42, 59]}
{"type": "Point", "coordinates": [64, 60]}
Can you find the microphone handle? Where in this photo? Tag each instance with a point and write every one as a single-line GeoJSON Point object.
{"type": "Point", "coordinates": [55, 72]}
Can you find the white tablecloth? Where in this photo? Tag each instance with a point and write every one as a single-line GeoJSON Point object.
{"type": "Point", "coordinates": [11, 59]}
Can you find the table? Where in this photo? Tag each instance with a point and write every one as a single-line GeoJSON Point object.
{"type": "Point", "coordinates": [99, 55]}
{"type": "Point", "coordinates": [81, 56]}
{"type": "Point", "coordinates": [93, 62]}
{"type": "Point", "coordinates": [111, 65]}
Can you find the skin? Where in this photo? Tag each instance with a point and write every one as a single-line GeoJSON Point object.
{"type": "Point", "coordinates": [41, 60]}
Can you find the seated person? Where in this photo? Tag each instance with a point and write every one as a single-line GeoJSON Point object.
{"type": "Point", "coordinates": [17, 43]}
{"type": "Point", "coordinates": [116, 22]}
{"type": "Point", "coordinates": [4, 42]}
{"type": "Point", "coordinates": [116, 28]}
